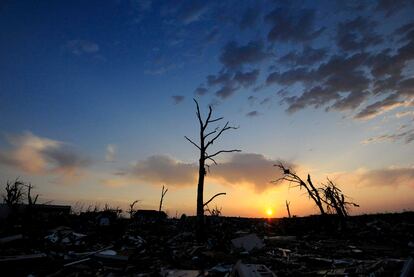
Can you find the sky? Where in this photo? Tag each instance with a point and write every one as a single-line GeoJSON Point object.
{"type": "Point", "coordinates": [97, 96]}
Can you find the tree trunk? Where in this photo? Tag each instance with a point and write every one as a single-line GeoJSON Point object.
{"type": "Point", "coordinates": [200, 200]}
{"type": "Point", "coordinates": [287, 207]}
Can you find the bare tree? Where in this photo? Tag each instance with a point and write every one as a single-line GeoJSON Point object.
{"type": "Point", "coordinates": [31, 201]}
{"type": "Point", "coordinates": [328, 198]}
{"type": "Point", "coordinates": [163, 193]}
{"type": "Point", "coordinates": [336, 200]}
{"type": "Point", "coordinates": [206, 139]}
{"type": "Point", "coordinates": [292, 177]}
{"type": "Point", "coordinates": [287, 208]}
{"type": "Point", "coordinates": [14, 193]}
{"type": "Point", "coordinates": [131, 210]}
{"type": "Point", "coordinates": [214, 212]}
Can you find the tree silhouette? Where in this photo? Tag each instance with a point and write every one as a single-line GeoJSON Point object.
{"type": "Point", "coordinates": [328, 198]}
{"type": "Point", "coordinates": [206, 140]}
{"type": "Point", "coordinates": [163, 193]}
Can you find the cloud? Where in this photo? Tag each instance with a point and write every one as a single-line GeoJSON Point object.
{"type": "Point", "coordinates": [230, 82]}
{"type": "Point", "coordinates": [110, 153]}
{"type": "Point", "coordinates": [406, 87]}
{"type": "Point", "coordinates": [351, 69]}
{"type": "Point", "coordinates": [162, 169]}
{"type": "Point", "coordinates": [379, 107]}
{"type": "Point", "coordinates": [394, 177]}
{"type": "Point", "coordinates": [79, 47]}
{"type": "Point", "coordinates": [405, 32]}
{"type": "Point", "coordinates": [248, 168]}
{"type": "Point", "coordinates": [247, 79]}
{"type": "Point", "coordinates": [234, 56]}
{"type": "Point", "coordinates": [42, 156]}
{"type": "Point", "coordinates": [226, 91]}
{"type": "Point", "coordinates": [316, 96]}
{"type": "Point", "coordinates": [253, 114]}
{"type": "Point", "coordinates": [357, 34]}
{"type": "Point", "coordinates": [289, 26]}
{"type": "Point", "coordinates": [406, 136]}
{"type": "Point", "coordinates": [341, 82]}
{"type": "Point", "coordinates": [221, 78]}
{"type": "Point", "coordinates": [201, 91]}
{"type": "Point", "coordinates": [254, 170]}
{"type": "Point", "coordinates": [289, 77]}
{"type": "Point", "coordinates": [177, 99]}
{"type": "Point", "coordinates": [252, 99]}
{"type": "Point", "coordinates": [390, 7]}
{"type": "Point", "coordinates": [404, 113]}
{"type": "Point", "coordinates": [308, 56]}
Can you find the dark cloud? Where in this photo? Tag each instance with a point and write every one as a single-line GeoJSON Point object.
{"type": "Point", "coordinates": [230, 82]}
{"type": "Point", "coordinates": [252, 99]}
{"type": "Point", "coordinates": [265, 101]}
{"type": "Point", "coordinates": [201, 91]}
{"type": "Point", "coordinates": [357, 34]}
{"type": "Point", "coordinates": [316, 97]}
{"type": "Point", "coordinates": [64, 160]}
{"type": "Point", "coordinates": [294, 27]}
{"type": "Point", "coordinates": [250, 17]}
{"type": "Point", "coordinates": [289, 77]}
{"type": "Point", "coordinates": [390, 7]}
{"type": "Point", "coordinates": [246, 79]}
{"type": "Point", "coordinates": [225, 80]}
{"type": "Point", "coordinates": [405, 32]}
{"type": "Point", "coordinates": [177, 99]}
{"type": "Point", "coordinates": [406, 87]}
{"type": "Point", "coordinates": [308, 56]}
{"type": "Point", "coordinates": [339, 80]}
{"type": "Point", "coordinates": [406, 136]}
{"type": "Point", "coordinates": [221, 78]}
{"type": "Point", "coordinates": [234, 56]}
{"type": "Point", "coordinates": [253, 114]}
{"type": "Point", "coordinates": [355, 73]}
{"type": "Point", "coordinates": [352, 101]}
{"type": "Point", "coordinates": [380, 106]}
{"type": "Point", "coordinates": [226, 91]}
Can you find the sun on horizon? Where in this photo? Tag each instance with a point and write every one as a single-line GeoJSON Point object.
{"type": "Point", "coordinates": [269, 212]}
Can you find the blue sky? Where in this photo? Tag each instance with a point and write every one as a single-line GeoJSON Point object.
{"type": "Point", "coordinates": [93, 93]}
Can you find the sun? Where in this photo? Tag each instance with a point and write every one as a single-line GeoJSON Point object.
{"type": "Point", "coordinates": [269, 211]}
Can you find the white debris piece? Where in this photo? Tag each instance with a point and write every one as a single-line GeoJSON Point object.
{"type": "Point", "coordinates": [248, 242]}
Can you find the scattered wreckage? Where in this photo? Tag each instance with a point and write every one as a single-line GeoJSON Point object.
{"type": "Point", "coordinates": [371, 245]}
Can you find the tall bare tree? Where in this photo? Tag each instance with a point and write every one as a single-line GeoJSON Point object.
{"type": "Point", "coordinates": [206, 140]}
{"type": "Point", "coordinates": [163, 193]}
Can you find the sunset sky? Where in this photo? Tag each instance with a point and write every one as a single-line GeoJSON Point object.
{"type": "Point", "coordinates": [96, 98]}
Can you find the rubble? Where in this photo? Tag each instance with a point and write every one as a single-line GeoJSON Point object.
{"type": "Point", "coordinates": [251, 270]}
{"type": "Point", "coordinates": [374, 245]}
{"type": "Point", "coordinates": [248, 243]}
